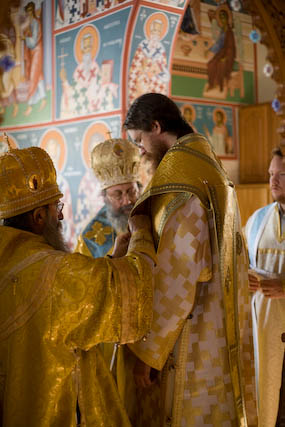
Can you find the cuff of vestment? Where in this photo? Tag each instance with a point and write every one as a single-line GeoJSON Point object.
{"type": "Point", "coordinates": [142, 241]}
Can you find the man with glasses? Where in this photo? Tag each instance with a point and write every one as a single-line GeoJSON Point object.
{"type": "Point", "coordinates": [56, 307]}
{"type": "Point", "coordinates": [115, 163]}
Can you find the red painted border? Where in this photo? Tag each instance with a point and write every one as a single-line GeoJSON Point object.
{"type": "Point", "coordinates": [126, 54]}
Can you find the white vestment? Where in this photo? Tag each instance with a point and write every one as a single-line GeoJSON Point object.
{"type": "Point", "coordinates": [266, 246]}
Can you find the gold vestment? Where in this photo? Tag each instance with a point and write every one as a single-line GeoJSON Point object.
{"type": "Point", "coordinates": [55, 308]}
{"type": "Point", "coordinates": [187, 302]}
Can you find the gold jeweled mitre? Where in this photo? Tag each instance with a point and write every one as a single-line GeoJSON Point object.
{"type": "Point", "coordinates": [115, 161]}
{"type": "Point", "coordinates": [27, 181]}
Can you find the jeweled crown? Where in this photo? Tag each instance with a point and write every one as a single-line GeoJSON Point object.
{"type": "Point", "coordinates": [27, 181]}
{"type": "Point", "coordinates": [115, 161]}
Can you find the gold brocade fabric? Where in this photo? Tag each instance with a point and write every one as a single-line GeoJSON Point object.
{"type": "Point", "coordinates": [115, 357]}
{"type": "Point", "coordinates": [27, 181]}
{"type": "Point", "coordinates": [55, 309]}
{"type": "Point", "coordinates": [81, 247]}
{"type": "Point", "coordinates": [207, 357]}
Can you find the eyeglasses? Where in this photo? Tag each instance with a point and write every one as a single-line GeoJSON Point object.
{"type": "Point", "coordinates": [59, 207]}
{"type": "Point", "coordinates": [131, 193]}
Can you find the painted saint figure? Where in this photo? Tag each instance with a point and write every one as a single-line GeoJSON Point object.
{"type": "Point", "coordinates": [149, 70]}
{"type": "Point", "coordinates": [80, 96]}
{"type": "Point", "coordinates": [10, 61]}
{"type": "Point", "coordinates": [7, 78]}
{"type": "Point", "coordinates": [189, 114]}
{"type": "Point", "coordinates": [220, 66]}
{"type": "Point", "coordinates": [32, 35]}
{"type": "Point", "coordinates": [220, 137]}
{"type": "Point", "coordinates": [91, 88]}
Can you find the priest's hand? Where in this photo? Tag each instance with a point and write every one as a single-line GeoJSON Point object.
{"type": "Point", "coordinates": [254, 283]}
{"type": "Point", "coordinates": [121, 245]}
{"type": "Point", "coordinates": [272, 288]}
{"type": "Point", "coordinates": [139, 222]}
{"type": "Point", "coordinates": [142, 374]}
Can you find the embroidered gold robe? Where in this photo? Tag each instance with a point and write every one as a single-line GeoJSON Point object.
{"type": "Point", "coordinates": [97, 240]}
{"type": "Point", "coordinates": [55, 308]}
{"type": "Point", "coordinates": [200, 339]}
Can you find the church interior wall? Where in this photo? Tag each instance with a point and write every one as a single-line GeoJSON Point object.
{"type": "Point", "coordinates": [75, 67]}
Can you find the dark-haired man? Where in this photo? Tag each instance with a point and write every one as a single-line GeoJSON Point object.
{"type": "Point", "coordinates": [199, 345]}
{"type": "Point", "coordinates": [56, 307]}
{"type": "Point", "coordinates": [265, 233]}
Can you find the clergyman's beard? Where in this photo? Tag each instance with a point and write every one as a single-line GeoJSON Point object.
{"type": "Point", "coordinates": [159, 150]}
{"type": "Point", "coordinates": [119, 218]}
{"type": "Point", "coordinates": [53, 234]}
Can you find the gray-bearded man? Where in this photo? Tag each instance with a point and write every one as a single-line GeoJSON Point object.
{"type": "Point", "coordinates": [115, 163]}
